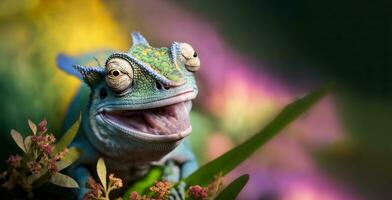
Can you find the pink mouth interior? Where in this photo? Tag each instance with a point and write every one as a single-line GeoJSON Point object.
{"type": "Point", "coordinates": [165, 120]}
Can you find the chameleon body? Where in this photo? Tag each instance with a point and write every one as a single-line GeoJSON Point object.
{"type": "Point", "coordinates": [135, 111]}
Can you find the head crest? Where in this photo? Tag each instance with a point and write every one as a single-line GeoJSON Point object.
{"type": "Point", "coordinates": [138, 39]}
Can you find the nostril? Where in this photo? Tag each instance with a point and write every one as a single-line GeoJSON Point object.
{"type": "Point", "coordinates": [158, 85]}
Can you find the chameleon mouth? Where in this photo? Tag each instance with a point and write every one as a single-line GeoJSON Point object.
{"type": "Point", "coordinates": [165, 120]}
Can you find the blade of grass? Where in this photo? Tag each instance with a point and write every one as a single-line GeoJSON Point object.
{"type": "Point", "coordinates": [237, 155]}
{"type": "Point", "coordinates": [233, 189]}
{"type": "Point", "coordinates": [68, 137]}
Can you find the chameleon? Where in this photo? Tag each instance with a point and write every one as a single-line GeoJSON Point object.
{"type": "Point", "coordinates": [135, 111]}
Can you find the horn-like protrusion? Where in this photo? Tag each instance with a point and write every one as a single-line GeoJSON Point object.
{"type": "Point", "coordinates": [175, 52]}
{"type": "Point", "coordinates": [138, 39]}
{"type": "Point", "coordinates": [90, 74]}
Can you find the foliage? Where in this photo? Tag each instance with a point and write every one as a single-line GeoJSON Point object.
{"type": "Point", "coordinates": [143, 184]}
{"type": "Point", "coordinates": [237, 155]}
{"type": "Point", "coordinates": [102, 191]}
{"type": "Point", "coordinates": [42, 159]}
{"type": "Point", "coordinates": [211, 173]}
{"type": "Point", "coordinates": [197, 192]}
{"type": "Point", "coordinates": [160, 190]}
{"type": "Point", "coordinates": [233, 189]}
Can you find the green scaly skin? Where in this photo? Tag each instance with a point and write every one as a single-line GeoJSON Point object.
{"type": "Point", "coordinates": [159, 59]}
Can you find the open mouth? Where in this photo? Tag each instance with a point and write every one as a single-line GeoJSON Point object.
{"type": "Point", "coordinates": [165, 120]}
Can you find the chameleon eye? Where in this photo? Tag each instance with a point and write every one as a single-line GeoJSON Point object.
{"type": "Point", "coordinates": [189, 57]}
{"type": "Point", "coordinates": [115, 72]}
{"type": "Point", "coordinates": [120, 74]}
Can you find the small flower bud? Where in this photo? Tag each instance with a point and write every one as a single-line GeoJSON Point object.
{"type": "Point", "coordinates": [42, 126]}
{"type": "Point", "coordinates": [115, 182]}
{"type": "Point", "coordinates": [52, 167]}
{"type": "Point", "coordinates": [14, 160]}
{"type": "Point", "coordinates": [161, 189]}
{"type": "Point", "coordinates": [198, 192]}
{"type": "Point", "coordinates": [34, 167]}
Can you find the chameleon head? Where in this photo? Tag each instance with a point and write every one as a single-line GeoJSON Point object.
{"type": "Point", "coordinates": [141, 99]}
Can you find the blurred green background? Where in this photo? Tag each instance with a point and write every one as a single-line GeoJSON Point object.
{"type": "Point", "coordinates": [256, 57]}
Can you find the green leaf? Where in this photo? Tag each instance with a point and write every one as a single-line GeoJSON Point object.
{"type": "Point", "coordinates": [68, 137]}
{"type": "Point", "coordinates": [18, 139]}
{"type": "Point", "coordinates": [72, 155]}
{"type": "Point", "coordinates": [145, 182]}
{"type": "Point", "coordinates": [233, 189]}
{"type": "Point", "coordinates": [27, 143]}
{"type": "Point", "coordinates": [63, 181]}
{"type": "Point", "coordinates": [32, 126]}
{"type": "Point", "coordinates": [237, 155]}
{"type": "Point", "coordinates": [101, 171]}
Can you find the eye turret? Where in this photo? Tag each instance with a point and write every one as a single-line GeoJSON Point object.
{"type": "Point", "coordinates": [119, 74]}
{"type": "Point", "coordinates": [189, 57]}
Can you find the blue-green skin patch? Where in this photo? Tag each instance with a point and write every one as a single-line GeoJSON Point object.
{"type": "Point", "coordinates": [129, 155]}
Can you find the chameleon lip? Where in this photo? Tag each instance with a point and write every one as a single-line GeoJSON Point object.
{"type": "Point", "coordinates": [182, 97]}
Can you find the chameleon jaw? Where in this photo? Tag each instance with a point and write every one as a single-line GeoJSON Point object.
{"type": "Point", "coordinates": [165, 123]}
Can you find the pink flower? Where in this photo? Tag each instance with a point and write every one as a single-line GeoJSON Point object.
{"type": "Point", "coordinates": [34, 167]}
{"type": "Point", "coordinates": [37, 138]}
{"type": "Point", "coordinates": [134, 196]}
{"type": "Point", "coordinates": [95, 189]}
{"type": "Point", "coordinates": [42, 126]}
{"type": "Point", "coordinates": [197, 192]}
{"type": "Point", "coordinates": [44, 142]}
{"type": "Point", "coordinates": [161, 189]}
{"type": "Point", "coordinates": [47, 149]}
{"type": "Point", "coordinates": [115, 182]}
{"type": "Point", "coordinates": [14, 160]}
{"type": "Point", "coordinates": [52, 167]}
